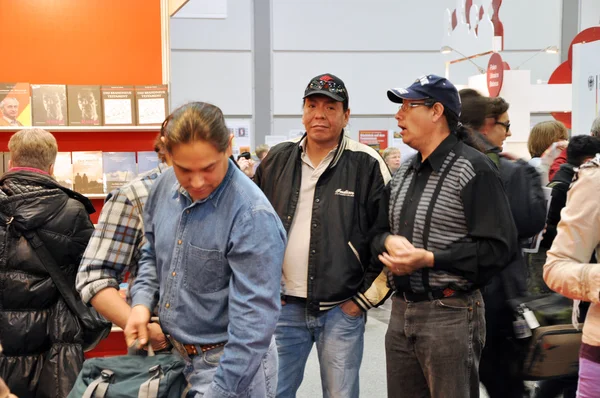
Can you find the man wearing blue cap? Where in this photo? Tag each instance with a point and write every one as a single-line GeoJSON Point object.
{"type": "Point", "coordinates": [445, 229]}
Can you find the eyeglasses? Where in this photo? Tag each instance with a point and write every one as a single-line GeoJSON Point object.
{"type": "Point", "coordinates": [505, 124]}
{"type": "Point", "coordinates": [409, 105]}
{"type": "Point", "coordinates": [330, 86]}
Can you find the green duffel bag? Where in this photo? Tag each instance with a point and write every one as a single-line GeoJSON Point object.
{"type": "Point", "coordinates": [130, 376]}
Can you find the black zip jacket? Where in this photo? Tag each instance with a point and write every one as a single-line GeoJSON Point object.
{"type": "Point", "coordinates": [41, 338]}
{"type": "Point", "coordinates": [345, 206]}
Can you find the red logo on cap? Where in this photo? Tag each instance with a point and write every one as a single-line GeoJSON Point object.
{"type": "Point", "coordinates": [326, 78]}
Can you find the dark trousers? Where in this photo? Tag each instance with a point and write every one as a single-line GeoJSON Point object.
{"type": "Point", "coordinates": [498, 369]}
{"type": "Point", "coordinates": [433, 347]}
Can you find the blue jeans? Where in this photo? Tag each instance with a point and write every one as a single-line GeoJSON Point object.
{"type": "Point", "coordinates": [201, 371]}
{"type": "Point", "coordinates": [340, 340]}
{"type": "Point", "coordinates": [433, 347]}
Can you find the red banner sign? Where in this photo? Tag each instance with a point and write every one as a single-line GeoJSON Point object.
{"type": "Point", "coordinates": [376, 139]}
{"type": "Point", "coordinates": [495, 75]}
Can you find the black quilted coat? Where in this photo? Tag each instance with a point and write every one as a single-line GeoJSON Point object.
{"type": "Point", "coordinates": [41, 338]}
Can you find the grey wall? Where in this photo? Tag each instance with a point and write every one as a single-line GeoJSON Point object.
{"type": "Point", "coordinates": [257, 61]}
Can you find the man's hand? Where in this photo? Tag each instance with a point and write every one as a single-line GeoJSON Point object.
{"type": "Point", "coordinates": [407, 262]}
{"type": "Point", "coordinates": [350, 308]}
{"type": "Point", "coordinates": [247, 166]}
{"type": "Point", "coordinates": [136, 330]}
{"type": "Point", "coordinates": [396, 245]}
{"type": "Point", "coordinates": [158, 340]}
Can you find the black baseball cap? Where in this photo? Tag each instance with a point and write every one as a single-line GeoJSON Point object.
{"type": "Point", "coordinates": [430, 86]}
{"type": "Point", "coordinates": [329, 85]}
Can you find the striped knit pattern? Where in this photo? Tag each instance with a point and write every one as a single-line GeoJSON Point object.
{"type": "Point", "coordinates": [446, 218]}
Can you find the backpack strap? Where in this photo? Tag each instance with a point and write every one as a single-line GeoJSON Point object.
{"type": "Point", "coordinates": [149, 389]}
{"type": "Point", "coordinates": [98, 388]}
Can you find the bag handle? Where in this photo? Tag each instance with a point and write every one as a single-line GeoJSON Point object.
{"type": "Point", "coordinates": [73, 302]}
{"type": "Point", "coordinates": [149, 389]}
{"type": "Point", "coordinates": [99, 387]}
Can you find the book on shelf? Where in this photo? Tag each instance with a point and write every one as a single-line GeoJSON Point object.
{"type": "Point", "coordinates": [49, 104]}
{"type": "Point", "coordinates": [15, 105]}
{"type": "Point", "coordinates": [147, 160]}
{"type": "Point", "coordinates": [87, 172]}
{"type": "Point", "coordinates": [118, 105]}
{"type": "Point", "coordinates": [119, 169]}
{"type": "Point", "coordinates": [63, 169]}
{"type": "Point", "coordinates": [152, 105]}
{"type": "Point", "coordinates": [85, 106]}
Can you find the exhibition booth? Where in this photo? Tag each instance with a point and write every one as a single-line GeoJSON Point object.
{"type": "Point", "coordinates": [138, 43]}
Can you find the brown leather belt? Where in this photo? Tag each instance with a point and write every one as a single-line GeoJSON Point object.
{"type": "Point", "coordinates": [192, 349]}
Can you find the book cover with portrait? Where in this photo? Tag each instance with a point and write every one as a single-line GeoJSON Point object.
{"type": "Point", "coordinates": [119, 169]}
{"type": "Point", "coordinates": [118, 105]}
{"type": "Point", "coordinates": [88, 172]}
{"type": "Point", "coordinates": [15, 105]}
{"type": "Point", "coordinates": [49, 104]}
{"type": "Point", "coordinates": [85, 105]}
{"type": "Point", "coordinates": [152, 104]}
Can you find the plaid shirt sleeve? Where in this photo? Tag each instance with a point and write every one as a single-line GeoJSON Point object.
{"type": "Point", "coordinates": [115, 246]}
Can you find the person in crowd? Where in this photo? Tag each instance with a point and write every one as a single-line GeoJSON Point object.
{"type": "Point", "coordinates": [246, 163]}
{"type": "Point", "coordinates": [568, 270]}
{"type": "Point", "coordinates": [440, 243]}
{"type": "Point", "coordinates": [523, 188]}
{"type": "Point", "coordinates": [41, 338]}
{"type": "Point", "coordinates": [214, 251]}
{"type": "Point", "coordinates": [9, 107]}
{"type": "Point", "coordinates": [562, 158]}
{"type": "Point", "coordinates": [545, 143]}
{"type": "Point", "coordinates": [391, 157]}
{"type": "Point", "coordinates": [261, 152]}
{"type": "Point", "coordinates": [116, 245]}
{"type": "Point", "coordinates": [581, 149]}
{"type": "Point", "coordinates": [326, 189]}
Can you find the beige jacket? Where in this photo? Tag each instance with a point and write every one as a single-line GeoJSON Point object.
{"type": "Point", "coordinates": [567, 270]}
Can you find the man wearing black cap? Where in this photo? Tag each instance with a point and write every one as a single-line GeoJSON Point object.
{"type": "Point", "coordinates": [326, 188]}
{"type": "Point", "coordinates": [446, 228]}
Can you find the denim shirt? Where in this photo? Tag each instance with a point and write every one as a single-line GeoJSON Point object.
{"type": "Point", "coordinates": [217, 265]}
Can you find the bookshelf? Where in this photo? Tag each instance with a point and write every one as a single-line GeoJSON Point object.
{"type": "Point", "coordinates": [94, 138]}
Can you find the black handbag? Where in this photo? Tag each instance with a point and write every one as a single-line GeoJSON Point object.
{"type": "Point", "coordinates": [95, 327]}
{"type": "Point", "coordinates": [546, 344]}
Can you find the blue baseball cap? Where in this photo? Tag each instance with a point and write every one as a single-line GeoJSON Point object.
{"type": "Point", "coordinates": [429, 86]}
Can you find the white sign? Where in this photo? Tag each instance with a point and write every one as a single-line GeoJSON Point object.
{"type": "Point", "coordinates": [242, 135]}
{"type": "Point", "coordinates": [586, 86]}
{"type": "Point", "coordinates": [272, 140]}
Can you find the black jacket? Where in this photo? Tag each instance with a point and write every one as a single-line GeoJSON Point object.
{"type": "Point", "coordinates": [560, 187]}
{"type": "Point", "coordinates": [345, 207]}
{"type": "Point", "coordinates": [41, 338]}
{"type": "Point", "coordinates": [523, 187]}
